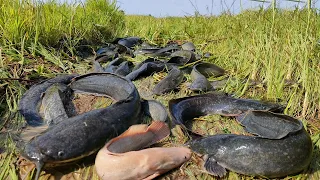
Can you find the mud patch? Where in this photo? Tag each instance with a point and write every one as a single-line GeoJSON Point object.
{"type": "Point", "coordinates": [87, 102]}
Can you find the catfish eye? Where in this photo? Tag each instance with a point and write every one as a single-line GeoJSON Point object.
{"type": "Point", "coordinates": [60, 153]}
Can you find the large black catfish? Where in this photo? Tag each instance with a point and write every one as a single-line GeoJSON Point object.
{"type": "Point", "coordinates": [187, 108]}
{"type": "Point", "coordinates": [282, 147]}
{"type": "Point", "coordinates": [84, 134]}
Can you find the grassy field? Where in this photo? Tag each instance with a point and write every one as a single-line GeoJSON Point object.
{"type": "Point", "coordinates": [278, 50]}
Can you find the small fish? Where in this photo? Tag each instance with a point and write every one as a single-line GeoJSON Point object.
{"type": "Point", "coordinates": [106, 56]}
{"type": "Point", "coordinates": [269, 125]}
{"type": "Point", "coordinates": [146, 51]}
{"type": "Point", "coordinates": [200, 73]}
{"type": "Point", "coordinates": [189, 46]}
{"type": "Point", "coordinates": [161, 52]}
{"type": "Point", "coordinates": [123, 69]}
{"type": "Point", "coordinates": [146, 69]}
{"type": "Point", "coordinates": [107, 48]}
{"type": "Point", "coordinates": [182, 57]}
{"type": "Point", "coordinates": [129, 42]}
{"type": "Point", "coordinates": [170, 82]}
{"type": "Point", "coordinates": [96, 67]}
{"type": "Point", "coordinates": [120, 158]}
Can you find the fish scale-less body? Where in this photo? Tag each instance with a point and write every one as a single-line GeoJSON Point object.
{"type": "Point", "coordinates": [187, 108]}
{"type": "Point", "coordinates": [143, 164]}
{"type": "Point", "coordinates": [121, 158]}
{"type": "Point", "coordinates": [30, 102]}
{"type": "Point", "coordinates": [201, 72]}
{"type": "Point", "coordinates": [282, 147]}
{"type": "Point", "coordinates": [55, 107]}
{"type": "Point", "coordinates": [170, 82]}
{"type": "Point", "coordinates": [255, 155]}
{"type": "Point", "coordinates": [53, 103]}
{"type": "Point", "coordinates": [84, 134]}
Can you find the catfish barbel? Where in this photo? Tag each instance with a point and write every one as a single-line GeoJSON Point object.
{"type": "Point", "coordinates": [84, 134]}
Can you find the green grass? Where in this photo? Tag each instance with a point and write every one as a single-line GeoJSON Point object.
{"type": "Point", "coordinates": [270, 47]}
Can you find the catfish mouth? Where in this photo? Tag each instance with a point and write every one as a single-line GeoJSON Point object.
{"type": "Point", "coordinates": [34, 154]}
{"type": "Point", "coordinates": [52, 162]}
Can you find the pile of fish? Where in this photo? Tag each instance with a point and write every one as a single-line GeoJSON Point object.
{"type": "Point", "coordinates": [68, 138]}
{"type": "Point", "coordinates": [280, 145]}
{"type": "Point", "coordinates": [176, 59]}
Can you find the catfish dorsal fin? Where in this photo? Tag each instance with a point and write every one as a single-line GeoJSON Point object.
{"type": "Point", "coordinates": [160, 130]}
{"type": "Point", "coordinates": [138, 137]}
{"type": "Point", "coordinates": [132, 131]}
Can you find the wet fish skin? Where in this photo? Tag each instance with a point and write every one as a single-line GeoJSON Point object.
{"type": "Point", "coordinates": [209, 69]}
{"type": "Point", "coordinates": [81, 135]}
{"type": "Point", "coordinates": [166, 51]}
{"type": "Point", "coordinates": [155, 110]}
{"type": "Point", "coordinates": [54, 103]}
{"type": "Point", "coordinates": [121, 157]}
{"type": "Point", "coordinates": [182, 57]}
{"type": "Point", "coordinates": [84, 134]}
{"type": "Point", "coordinates": [199, 82]}
{"type": "Point", "coordinates": [113, 65]}
{"type": "Point", "coordinates": [123, 69]}
{"type": "Point", "coordinates": [115, 86]}
{"type": "Point", "coordinates": [269, 125]}
{"type": "Point", "coordinates": [107, 56]}
{"type": "Point", "coordinates": [129, 42]}
{"type": "Point", "coordinates": [138, 137]}
{"type": "Point", "coordinates": [146, 69]}
{"type": "Point", "coordinates": [146, 45]}
{"type": "Point", "coordinates": [54, 109]}
{"type": "Point", "coordinates": [255, 155]}
{"type": "Point", "coordinates": [170, 82]}
{"type": "Point", "coordinates": [146, 61]}
{"type": "Point", "coordinates": [146, 51]}
{"type": "Point", "coordinates": [187, 108]}
{"type": "Point", "coordinates": [108, 47]}
{"type": "Point", "coordinates": [146, 163]}
{"type": "Point", "coordinates": [30, 102]}
{"type": "Point", "coordinates": [97, 67]}
{"type": "Point", "coordinates": [201, 72]}
{"type": "Point", "coordinates": [118, 66]}
{"type": "Point", "coordinates": [189, 46]}
{"type": "Point", "coordinates": [154, 51]}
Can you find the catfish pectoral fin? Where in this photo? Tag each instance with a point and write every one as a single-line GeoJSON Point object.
{"type": "Point", "coordinates": [213, 168]}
